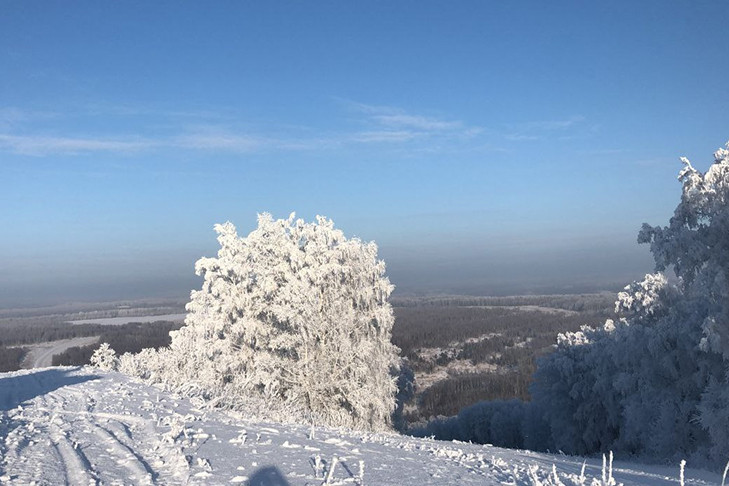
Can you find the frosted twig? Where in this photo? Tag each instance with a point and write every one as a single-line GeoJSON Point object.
{"type": "Point", "coordinates": [330, 473]}
{"type": "Point", "coordinates": [683, 465]}
{"type": "Point", "coordinates": [318, 467]}
{"type": "Point", "coordinates": [555, 478]}
{"type": "Point", "coordinates": [611, 481]}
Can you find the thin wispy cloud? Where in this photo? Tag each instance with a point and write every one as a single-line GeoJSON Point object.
{"type": "Point", "coordinates": [548, 125]}
{"type": "Point", "coordinates": [36, 134]}
{"type": "Point", "coordinates": [131, 110]}
{"type": "Point", "coordinates": [389, 124]}
{"type": "Point", "coordinates": [366, 108]}
{"type": "Point", "coordinates": [231, 142]}
{"type": "Point", "coordinates": [543, 129]}
{"type": "Point", "coordinates": [384, 136]}
{"type": "Point", "coordinates": [220, 141]}
{"type": "Point", "coordinates": [11, 117]}
{"type": "Point", "coordinates": [39, 146]}
{"type": "Point", "coordinates": [603, 151]}
{"type": "Point", "coordinates": [44, 145]}
{"type": "Point", "coordinates": [417, 122]}
{"type": "Point", "coordinates": [522, 137]}
{"type": "Point", "coordinates": [229, 139]}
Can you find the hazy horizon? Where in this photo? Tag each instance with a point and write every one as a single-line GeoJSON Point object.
{"type": "Point", "coordinates": [488, 148]}
{"type": "Point", "coordinates": [416, 271]}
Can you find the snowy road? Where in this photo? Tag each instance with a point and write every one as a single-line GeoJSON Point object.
{"type": "Point", "coordinates": [80, 426]}
{"type": "Point", "coordinates": [41, 355]}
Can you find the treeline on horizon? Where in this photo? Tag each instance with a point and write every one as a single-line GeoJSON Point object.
{"type": "Point", "coordinates": [600, 302]}
{"type": "Point", "coordinates": [93, 310]}
{"type": "Point", "coordinates": [40, 332]}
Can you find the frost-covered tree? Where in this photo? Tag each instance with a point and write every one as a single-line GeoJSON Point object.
{"type": "Point", "coordinates": [696, 245]}
{"type": "Point", "coordinates": [655, 382]}
{"type": "Point", "coordinates": [294, 318]}
{"type": "Point", "coordinates": [104, 358]}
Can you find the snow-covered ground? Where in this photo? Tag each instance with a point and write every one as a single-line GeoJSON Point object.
{"type": "Point", "coordinates": [120, 321]}
{"type": "Point", "coordinates": [81, 426]}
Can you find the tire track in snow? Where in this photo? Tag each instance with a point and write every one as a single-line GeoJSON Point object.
{"type": "Point", "coordinates": [124, 455]}
{"type": "Point", "coordinates": [119, 439]}
{"type": "Point", "coordinates": [77, 466]}
{"type": "Point", "coordinates": [72, 407]}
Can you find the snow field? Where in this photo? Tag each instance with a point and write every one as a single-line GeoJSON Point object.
{"type": "Point", "coordinates": [82, 426]}
{"type": "Point", "coordinates": [120, 321]}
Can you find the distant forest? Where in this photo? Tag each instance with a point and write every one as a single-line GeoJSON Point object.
{"type": "Point", "coordinates": [494, 341]}
{"type": "Point", "coordinates": [462, 349]}
{"type": "Point", "coordinates": [10, 358]}
{"type": "Point", "coordinates": [602, 302]}
{"type": "Point", "coordinates": [133, 337]}
{"type": "Point", "coordinates": [17, 334]}
{"type": "Point", "coordinates": [129, 338]}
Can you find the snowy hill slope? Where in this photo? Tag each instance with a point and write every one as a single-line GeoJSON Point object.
{"type": "Point", "coordinates": [81, 426]}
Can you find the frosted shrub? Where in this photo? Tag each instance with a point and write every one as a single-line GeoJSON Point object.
{"type": "Point", "coordinates": [145, 364]}
{"type": "Point", "coordinates": [294, 316]}
{"type": "Point", "coordinates": [105, 358]}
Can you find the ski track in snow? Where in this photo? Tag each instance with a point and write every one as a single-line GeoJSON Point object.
{"type": "Point", "coordinates": [81, 426]}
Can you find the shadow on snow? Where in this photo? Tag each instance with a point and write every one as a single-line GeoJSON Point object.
{"type": "Point", "coordinates": [14, 390]}
{"type": "Point", "coordinates": [268, 476]}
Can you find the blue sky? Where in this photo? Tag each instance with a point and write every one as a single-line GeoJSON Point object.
{"type": "Point", "coordinates": [486, 146]}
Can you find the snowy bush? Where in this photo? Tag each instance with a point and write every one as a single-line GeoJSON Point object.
{"type": "Point", "coordinates": [294, 316]}
{"type": "Point", "coordinates": [104, 358]}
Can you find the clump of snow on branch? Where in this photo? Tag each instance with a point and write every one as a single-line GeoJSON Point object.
{"type": "Point", "coordinates": [642, 298]}
{"type": "Point", "coordinates": [293, 321]}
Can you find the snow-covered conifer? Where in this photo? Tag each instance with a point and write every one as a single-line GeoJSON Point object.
{"type": "Point", "coordinates": [104, 358]}
{"type": "Point", "coordinates": [696, 245]}
{"type": "Point", "coordinates": [639, 385]}
{"type": "Point", "coordinates": [655, 382]}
